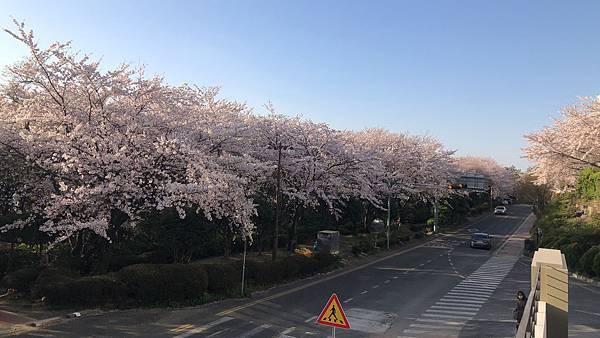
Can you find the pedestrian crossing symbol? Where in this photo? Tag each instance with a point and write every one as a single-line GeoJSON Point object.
{"type": "Point", "coordinates": [333, 314]}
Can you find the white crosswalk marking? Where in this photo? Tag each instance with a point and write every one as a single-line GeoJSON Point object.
{"type": "Point", "coordinates": [461, 304]}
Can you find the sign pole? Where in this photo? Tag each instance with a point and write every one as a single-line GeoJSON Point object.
{"type": "Point", "coordinates": [333, 328]}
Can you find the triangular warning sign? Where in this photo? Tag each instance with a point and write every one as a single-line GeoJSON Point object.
{"type": "Point", "coordinates": [333, 314]}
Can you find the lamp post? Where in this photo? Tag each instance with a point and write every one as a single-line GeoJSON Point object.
{"type": "Point", "coordinates": [244, 263]}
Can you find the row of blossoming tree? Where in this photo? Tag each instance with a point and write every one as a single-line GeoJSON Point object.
{"type": "Point", "coordinates": [570, 144]}
{"type": "Point", "coordinates": [83, 149]}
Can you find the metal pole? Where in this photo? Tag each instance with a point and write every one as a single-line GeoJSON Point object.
{"type": "Point", "coordinates": [333, 332]}
{"type": "Point", "coordinates": [387, 233]}
{"type": "Point", "coordinates": [244, 266]}
{"type": "Point", "coordinates": [435, 215]}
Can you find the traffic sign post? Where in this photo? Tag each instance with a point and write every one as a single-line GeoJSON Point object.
{"type": "Point", "coordinates": [333, 315]}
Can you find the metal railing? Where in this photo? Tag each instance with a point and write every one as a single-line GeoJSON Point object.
{"type": "Point", "coordinates": [528, 321]}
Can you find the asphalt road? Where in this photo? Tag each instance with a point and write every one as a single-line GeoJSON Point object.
{"type": "Point", "coordinates": [440, 289]}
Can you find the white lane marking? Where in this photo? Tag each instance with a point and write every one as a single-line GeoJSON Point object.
{"type": "Point", "coordinates": [459, 304]}
{"type": "Point", "coordinates": [468, 295]}
{"type": "Point", "coordinates": [217, 333]}
{"type": "Point", "coordinates": [458, 308]}
{"type": "Point", "coordinates": [436, 327]}
{"type": "Point", "coordinates": [362, 293]}
{"type": "Point", "coordinates": [204, 327]}
{"type": "Point", "coordinates": [255, 331]}
{"type": "Point", "coordinates": [288, 330]}
{"type": "Point", "coordinates": [429, 261]}
{"type": "Point", "coordinates": [395, 277]}
{"type": "Point", "coordinates": [435, 315]}
{"type": "Point", "coordinates": [475, 288]}
{"type": "Point", "coordinates": [387, 281]}
{"type": "Point", "coordinates": [375, 286]}
{"type": "Point", "coordinates": [443, 321]}
{"type": "Point", "coordinates": [461, 299]}
{"type": "Point", "coordinates": [468, 313]}
{"type": "Point", "coordinates": [311, 319]}
{"type": "Point", "coordinates": [348, 300]}
{"type": "Point", "coordinates": [414, 331]}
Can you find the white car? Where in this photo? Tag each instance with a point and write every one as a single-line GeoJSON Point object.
{"type": "Point", "coordinates": [500, 210]}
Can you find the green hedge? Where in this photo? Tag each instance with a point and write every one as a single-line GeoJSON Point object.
{"type": "Point", "coordinates": [21, 280]}
{"type": "Point", "coordinates": [587, 261]}
{"type": "Point", "coordinates": [164, 283]}
{"type": "Point", "coordinates": [223, 278]}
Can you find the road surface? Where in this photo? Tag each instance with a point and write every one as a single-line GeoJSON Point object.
{"type": "Point", "coordinates": [440, 289]}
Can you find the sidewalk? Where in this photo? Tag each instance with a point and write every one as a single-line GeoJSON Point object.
{"type": "Point", "coordinates": [513, 246]}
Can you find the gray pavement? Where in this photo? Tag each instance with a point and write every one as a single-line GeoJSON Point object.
{"type": "Point", "coordinates": [442, 288]}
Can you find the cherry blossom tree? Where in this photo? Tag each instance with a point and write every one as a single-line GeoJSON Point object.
{"type": "Point", "coordinates": [109, 145]}
{"type": "Point", "coordinates": [501, 180]}
{"type": "Point", "coordinates": [570, 144]}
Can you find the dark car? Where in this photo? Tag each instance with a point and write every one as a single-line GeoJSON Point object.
{"type": "Point", "coordinates": [481, 240]}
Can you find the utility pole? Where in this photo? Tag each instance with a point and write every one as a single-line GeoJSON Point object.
{"type": "Point", "coordinates": [389, 211]}
{"type": "Point", "coordinates": [244, 265]}
{"type": "Point", "coordinates": [436, 214]}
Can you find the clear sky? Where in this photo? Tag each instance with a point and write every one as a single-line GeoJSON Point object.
{"type": "Point", "coordinates": [476, 74]}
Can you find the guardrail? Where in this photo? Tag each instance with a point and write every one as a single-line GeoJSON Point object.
{"type": "Point", "coordinates": [529, 320]}
{"type": "Point", "coordinates": [547, 308]}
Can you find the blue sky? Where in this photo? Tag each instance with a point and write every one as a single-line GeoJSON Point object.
{"type": "Point", "coordinates": [476, 74]}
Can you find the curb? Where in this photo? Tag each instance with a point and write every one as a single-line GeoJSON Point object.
{"type": "Point", "coordinates": [585, 279]}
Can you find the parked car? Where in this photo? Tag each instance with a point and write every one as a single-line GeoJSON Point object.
{"type": "Point", "coordinates": [481, 240]}
{"type": "Point", "coordinates": [500, 210]}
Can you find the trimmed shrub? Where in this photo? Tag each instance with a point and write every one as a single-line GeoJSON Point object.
{"type": "Point", "coordinates": [91, 290]}
{"type": "Point", "coordinates": [164, 283]}
{"type": "Point", "coordinates": [119, 262]}
{"type": "Point", "coordinates": [49, 281]}
{"type": "Point", "coordinates": [596, 265]}
{"type": "Point", "coordinates": [265, 273]}
{"type": "Point", "coordinates": [586, 262]}
{"type": "Point", "coordinates": [223, 278]}
{"type": "Point", "coordinates": [22, 279]}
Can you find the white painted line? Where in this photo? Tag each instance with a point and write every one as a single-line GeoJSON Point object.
{"type": "Point", "coordinates": [415, 331]}
{"type": "Point", "coordinates": [204, 327]}
{"type": "Point", "coordinates": [429, 261]}
{"type": "Point", "coordinates": [311, 319]}
{"type": "Point", "coordinates": [443, 321]}
{"type": "Point", "coordinates": [458, 304]}
{"type": "Point", "coordinates": [477, 287]}
{"type": "Point", "coordinates": [468, 295]}
{"type": "Point", "coordinates": [395, 277]}
{"type": "Point", "coordinates": [472, 292]}
{"type": "Point", "coordinates": [468, 313]}
{"type": "Point", "coordinates": [459, 308]}
{"type": "Point", "coordinates": [436, 327]}
{"type": "Point", "coordinates": [376, 286]}
{"type": "Point", "coordinates": [348, 300]}
{"type": "Point", "coordinates": [462, 299]}
{"type": "Point", "coordinates": [435, 315]}
{"type": "Point", "coordinates": [362, 293]}
{"type": "Point", "coordinates": [387, 281]}
{"type": "Point", "coordinates": [254, 331]}
{"type": "Point", "coordinates": [288, 330]}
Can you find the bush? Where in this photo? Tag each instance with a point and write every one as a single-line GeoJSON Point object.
{"type": "Point", "coordinates": [586, 262]}
{"type": "Point", "coordinates": [363, 246]}
{"type": "Point", "coordinates": [596, 265]}
{"type": "Point", "coordinates": [223, 278]}
{"type": "Point", "coordinates": [418, 235]}
{"type": "Point", "coordinates": [91, 290]}
{"type": "Point", "coordinates": [49, 280]}
{"type": "Point", "coordinates": [164, 283]}
{"type": "Point", "coordinates": [21, 280]}
{"type": "Point", "coordinates": [121, 261]}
